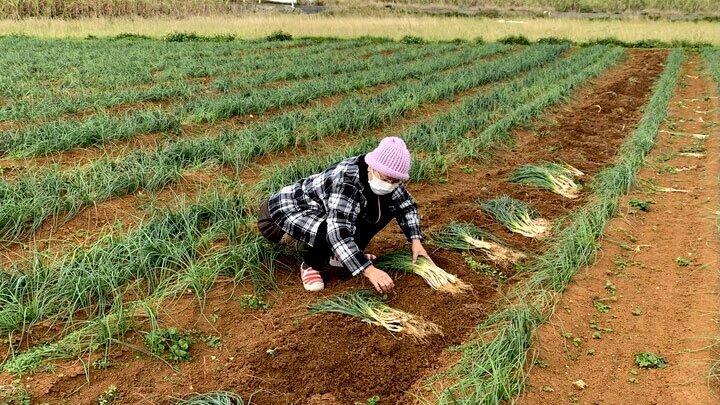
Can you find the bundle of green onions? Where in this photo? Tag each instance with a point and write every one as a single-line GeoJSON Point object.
{"type": "Point", "coordinates": [464, 236]}
{"type": "Point", "coordinates": [363, 304]}
{"type": "Point", "coordinates": [517, 216]}
{"type": "Point", "coordinates": [556, 177]}
{"type": "Point", "coordinates": [437, 278]}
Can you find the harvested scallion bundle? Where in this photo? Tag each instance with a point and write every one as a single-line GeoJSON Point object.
{"type": "Point", "coordinates": [556, 177]}
{"type": "Point", "coordinates": [464, 236]}
{"type": "Point", "coordinates": [364, 305]}
{"type": "Point", "coordinates": [517, 216]}
{"type": "Point", "coordinates": [437, 278]}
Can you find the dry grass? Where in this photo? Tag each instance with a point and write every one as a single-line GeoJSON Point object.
{"type": "Point", "coordinates": [255, 25]}
{"type": "Point", "coordinates": [684, 6]}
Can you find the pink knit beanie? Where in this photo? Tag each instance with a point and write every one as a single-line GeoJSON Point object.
{"type": "Point", "coordinates": [390, 158]}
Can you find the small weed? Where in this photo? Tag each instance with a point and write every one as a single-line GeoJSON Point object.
{"type": "Point", "coordinates": [541, 363]}
{"type": "Point", "coordinates": [253, 302]}
{"type": "Point", "coordinates": [548, 389]}
{"type": "Point", "coordinates": [271, 352]}
{"type": "Point", "coordinates": [633, 380]}
{"type": "Point", "coordinates": [597, 335]}
{"type": "Point", "coordinates": [467, 169]}
{"type": "Point", "coordinates": [591, 352]}
{"type": "Point", "coordinates": [483, 268]}
{"type": "Point", "coordinates": [634, 371]}
{"type": "Point", "coordinates": [611, 289]}
{"type": "Point", "coordinates": [102, 364]}
{"type": "Point", "coordinates": [639, 205]}
{"type": "Point", "coordinates": [373, 400]}
{"type": "Point", "coordinates": [595, 326]}
{"type": "Point", "coordinates": [682, 262]}
{"type": "Point", "coordinates": [175, 342]}
{"type": "Point", "coordinates": [212, 341]}
{"type": "Point", "coordinates": [666, 168]}
{"type": "Point", "coordinates": [109, 396]}
{"type": "Point", "coordinates": [602, 308]}
{"type": "Point", "coordinates": [14, 394]}
{"type": "Point", "coordinates": [650, 360]}
{"type": "Point", "coordinates": [576, 342]}
{"type": "Point", "coordinates": [637, 312]}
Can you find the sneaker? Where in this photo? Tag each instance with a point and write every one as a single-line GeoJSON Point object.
{"type": "Point", "coordinates": [311, 279]}
{"type": "Point", "coordinates": [337, 263]}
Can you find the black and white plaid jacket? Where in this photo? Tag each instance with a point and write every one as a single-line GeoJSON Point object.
{"type": "Point", "coordinates": [336, 197]}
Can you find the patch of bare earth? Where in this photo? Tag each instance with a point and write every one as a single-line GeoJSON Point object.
{"type": "Point", "coordinates": [663, 265]}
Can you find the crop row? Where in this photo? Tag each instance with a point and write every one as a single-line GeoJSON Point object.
{"type": "Point", "coordinates": [100, 128]}
{"type": "Point", "coordinates": [78, 64]}
{"type": "Point", "coordinates": [494, 114]}
{"type": "Point", "coordinates": [51, 193]}
{"type": "Point", "coordinates": [493, 368]}
{"type": "Point", "coordinates": [244, 74]}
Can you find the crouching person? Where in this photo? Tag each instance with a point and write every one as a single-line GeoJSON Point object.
{"type": "Point", "coordinates": [337, 212]}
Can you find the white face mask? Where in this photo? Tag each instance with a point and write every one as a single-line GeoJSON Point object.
{"type": "Point", "coordinates": [380, 186]}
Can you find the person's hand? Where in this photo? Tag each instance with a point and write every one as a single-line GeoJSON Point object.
{"type": "Point", "coordinates": [419, 250]}
{"type": "Point", "coordinates": [379, 279]}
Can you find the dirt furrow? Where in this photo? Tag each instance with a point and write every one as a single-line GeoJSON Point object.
{"type": "Point", "coordinates": [662, 267]}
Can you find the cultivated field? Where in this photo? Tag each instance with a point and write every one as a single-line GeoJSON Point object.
{"type": "Point", "coordinates": [132, 170]}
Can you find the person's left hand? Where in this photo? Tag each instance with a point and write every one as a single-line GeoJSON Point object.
{"type": "Point", "coordinates": [419, 250]}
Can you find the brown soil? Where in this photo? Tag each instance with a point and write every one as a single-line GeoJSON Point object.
{"type": "Point", "coordinates": [677, 305]}
{"type": "Point", "coordinates": [332, 359]}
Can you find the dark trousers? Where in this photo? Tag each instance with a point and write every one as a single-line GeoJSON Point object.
{"type": "Point", "coordinates": [317, 256]}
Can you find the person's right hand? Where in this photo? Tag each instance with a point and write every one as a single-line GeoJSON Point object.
{"type": "Point", "coordinates": [379, 279]}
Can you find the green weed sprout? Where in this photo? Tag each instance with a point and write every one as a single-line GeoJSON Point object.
{"type": "Point", "coordinates": [364, 305]}
{"type": "Point", "coordinates": [464, 236]}
{"type": "Point", "coordinates": [437, 278]}
{"type": "Point", "coordinates": [556, 177]}
{"type": "Point", "coordinates": [517, 216]}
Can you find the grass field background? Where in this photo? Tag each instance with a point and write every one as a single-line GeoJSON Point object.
{"type": "Point", "coordinates": [428, 27]}
{"type": "Point", "coordinates": [146, 8]}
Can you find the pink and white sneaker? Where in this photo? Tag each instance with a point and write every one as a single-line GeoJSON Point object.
{"type": "Point", "coordinates": [311, 279]}
{"type": "Point", "coordinates": [337, 263]}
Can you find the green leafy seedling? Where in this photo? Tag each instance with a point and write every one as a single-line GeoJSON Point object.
{"type": "Point", "coordinates": [682, 262]}
{"type": "Point", "coordinates": [640, 205]}
{"type": "Point", "coordinates": [253, 302]}
{"type": "Point", "coordinates": [176, 343]}
{"type": "Point", "coordinates": [373, 400]}
{"type": "Point", "coordinates": [603, 308]}
{"type": "Point", "coordinates": [650, 360]}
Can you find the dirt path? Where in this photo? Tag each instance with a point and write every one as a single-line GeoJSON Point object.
{"type": "Point", "coordinates": [665, 305]}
